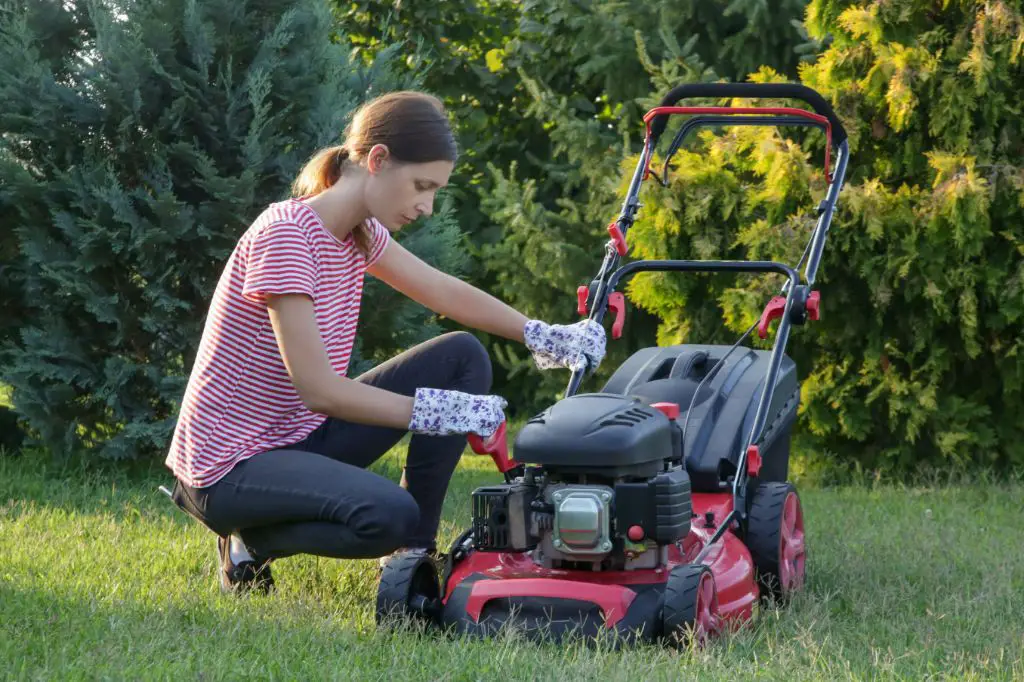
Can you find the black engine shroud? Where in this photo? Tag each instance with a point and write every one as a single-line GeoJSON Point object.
{"type": "Point", "coordinates": [616, 432]}
{"type": "Point", "coordinates": [600, 434]}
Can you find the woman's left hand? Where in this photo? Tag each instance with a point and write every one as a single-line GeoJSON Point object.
{"type": "Point", "coordinates": [565, 345]}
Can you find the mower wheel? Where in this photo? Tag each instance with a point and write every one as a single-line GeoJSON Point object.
{"type": "Point", "coordinates": [409, 589]}
{"type": "Point", "coordinates": [775, 538]}
{"type": "Point", "coordinates": [689, 611]}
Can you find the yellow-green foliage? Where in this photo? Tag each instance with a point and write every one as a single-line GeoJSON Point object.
{"type": "Point", "coordinates": [918, 357]}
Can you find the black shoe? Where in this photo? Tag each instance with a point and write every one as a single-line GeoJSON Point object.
{"type": "Point", "coordinates": [245, 576]}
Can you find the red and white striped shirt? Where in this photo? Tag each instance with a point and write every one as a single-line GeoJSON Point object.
{"type": "Point", "coordinates": [240, 400]}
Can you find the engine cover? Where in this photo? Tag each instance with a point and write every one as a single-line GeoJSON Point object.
{"type": "Point", "coordinates": [604, 434]}
{"type": "Point", "coordinates": [582, 519]}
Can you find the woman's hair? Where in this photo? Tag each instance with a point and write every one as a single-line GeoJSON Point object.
{"type": "Point", "coordinates": [414, 127]}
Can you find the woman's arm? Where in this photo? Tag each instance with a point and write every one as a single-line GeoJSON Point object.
{"type": "Point", "coordinates": [558, 345]}
{"type": "Point", "coordinates": [446, 295]}
{"type": "Point", "coordinates": [318, 385]}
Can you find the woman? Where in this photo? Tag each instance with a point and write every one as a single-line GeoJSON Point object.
{"type": "Point", "coordinates": [272, 441]}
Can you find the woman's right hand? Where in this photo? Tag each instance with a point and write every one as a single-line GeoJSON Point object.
{"type": "Point", "coordinates": [437, 412]}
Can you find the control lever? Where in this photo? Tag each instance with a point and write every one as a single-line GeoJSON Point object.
{"type": "Point", "coordinates": [496, 446]}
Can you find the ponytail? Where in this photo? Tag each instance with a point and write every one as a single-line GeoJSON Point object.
{"type": "Point", "coordinates": [319, 174]}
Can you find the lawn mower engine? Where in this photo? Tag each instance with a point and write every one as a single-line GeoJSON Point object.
{"type": "Point", "coordinates": [611, 492]}
{"type": "Point", "coordinates": [589, 537]}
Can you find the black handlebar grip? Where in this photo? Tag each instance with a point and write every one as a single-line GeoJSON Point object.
{"type": "Point", "coordinates": [748, 90]}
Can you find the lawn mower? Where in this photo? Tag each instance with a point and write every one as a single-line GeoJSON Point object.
{"type": "Point", "coordinates": [657, 508]}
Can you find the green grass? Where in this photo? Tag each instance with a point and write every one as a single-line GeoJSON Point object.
{"type": "Point", "coordinates": [101, 577]}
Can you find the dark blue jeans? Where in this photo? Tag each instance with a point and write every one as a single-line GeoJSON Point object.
{"type": "Point", "coordinates": [316, 496]}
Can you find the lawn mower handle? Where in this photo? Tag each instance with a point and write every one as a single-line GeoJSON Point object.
{"type": "Point", "coordinates": [748, 90]}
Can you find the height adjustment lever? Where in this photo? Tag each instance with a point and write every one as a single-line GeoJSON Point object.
{"type": "Point", "coordinates": [617, 304]}
{"type": "Point", "coordinates": [806, 306]}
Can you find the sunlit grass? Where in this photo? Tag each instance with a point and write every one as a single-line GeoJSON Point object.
{"type": "Point", "coordinates": [102, 577]}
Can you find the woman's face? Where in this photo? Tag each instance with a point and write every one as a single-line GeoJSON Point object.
{"type": "Point", "coordinates": [398, 193]}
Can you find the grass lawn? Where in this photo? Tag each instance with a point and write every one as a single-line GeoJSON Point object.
{"type": "Point", "coordinates": [101, 577]}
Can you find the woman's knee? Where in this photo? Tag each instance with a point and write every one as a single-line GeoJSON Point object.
{"type": "Point", "coordinates": [475, 361]}
{"type": "Point", "coordinates": [391, 519]}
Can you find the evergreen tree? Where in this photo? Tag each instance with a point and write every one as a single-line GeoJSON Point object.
{"type": "Point", "coordinates": [918, 355]}
{"type": "Point", "coordinates": [55, 30]}
{"type": "Point", "coordinates": [140, 140]}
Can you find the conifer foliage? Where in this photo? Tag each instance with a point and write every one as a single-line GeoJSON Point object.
{"type": "Point", "coordinates": [919, 355]}
{"type": "Point", "coordinates": [140, 139]}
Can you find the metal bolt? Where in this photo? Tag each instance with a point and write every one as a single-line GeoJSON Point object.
{"type": "Point", "coordinates": [606, 545]}
{"type": "Point", "coordinates": [557, 543]}
{"type": "Point", "coordinates": [606, 496]}
{"type": "Point", "coordinates": [558, 497]}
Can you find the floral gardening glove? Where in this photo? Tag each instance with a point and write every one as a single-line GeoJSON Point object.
{"type": "Point", "coordinates": [437, 412]}
{"type": "Point", "coordinates": [565, 345]}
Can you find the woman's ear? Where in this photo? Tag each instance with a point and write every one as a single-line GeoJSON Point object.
{"type": "Point", "coordinates": [377, 158]}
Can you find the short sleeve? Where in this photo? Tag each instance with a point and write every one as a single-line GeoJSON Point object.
{"type": "Point", "coordinates": [379, 239]}
{"type": "Point", "coordinates": [280, 261]}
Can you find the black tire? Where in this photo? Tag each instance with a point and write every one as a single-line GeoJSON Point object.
{"type": "Point", "coordinates": [780, 571]}
{"type": "Point", "coordinates": [684, 618]}
{"type": "Point", "coordinates": [408, 589]}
